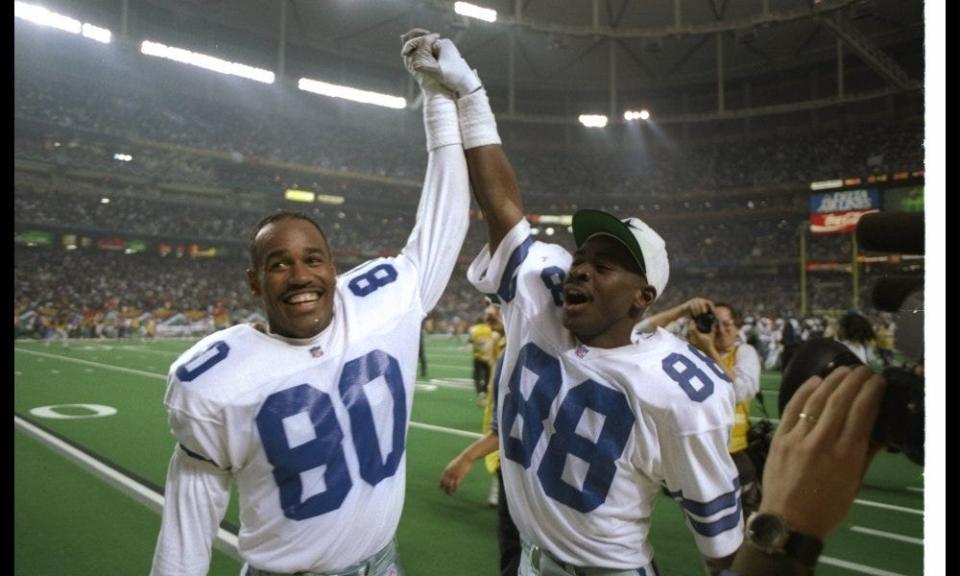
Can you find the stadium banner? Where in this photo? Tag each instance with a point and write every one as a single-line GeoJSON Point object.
{"type": "Point", "coordinates": [836, 222]}
{"type": "Point", "coordinates": [845, 201]}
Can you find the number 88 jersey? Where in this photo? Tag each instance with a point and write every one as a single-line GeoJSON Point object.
{"type": "Point", "coordinates": [589, 435]}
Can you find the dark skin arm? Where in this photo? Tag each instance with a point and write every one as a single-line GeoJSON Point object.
{"type": "Point", "coordinates": [718, 565]}
{"type": "Point", "coordinates": [458, 468]}
{"type": "Point", "coordinates": [495, 188]}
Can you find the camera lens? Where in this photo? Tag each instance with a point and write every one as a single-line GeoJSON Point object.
{"type": "Point", "coordinates": [899, 424]}
{"type": "Point", "coordinates": [705, 322]}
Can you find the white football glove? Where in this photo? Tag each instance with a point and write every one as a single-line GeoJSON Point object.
{"type": "Point", "coordinates": [454, 71]}
{"type": "Point", "coordinates": [439, 106]}
{"type": "Point", "coordinates": [432, 61]}
{"type": "Point", "coordinates": [419, 60]}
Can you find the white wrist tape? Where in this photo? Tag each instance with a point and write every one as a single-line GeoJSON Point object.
{"type": "Point", "coordinates": [440, 120]}
{"type": "Point", "coordinates": [477, 122]}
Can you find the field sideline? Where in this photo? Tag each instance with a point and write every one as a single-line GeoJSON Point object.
{"type": "Point", "coordinates": [88, 490]}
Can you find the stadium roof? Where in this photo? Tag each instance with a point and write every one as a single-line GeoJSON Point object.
{"type": "Point", "coordinates": [561, 49]}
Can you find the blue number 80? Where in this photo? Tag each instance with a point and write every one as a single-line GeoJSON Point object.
{"type": "Point", "coordinates": [325, 449]}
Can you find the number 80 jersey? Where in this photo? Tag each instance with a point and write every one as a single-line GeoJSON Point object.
{"type": "Point", "coordinates": [589, 435]}
{"type": "Point", "coordinates": [313, 431]}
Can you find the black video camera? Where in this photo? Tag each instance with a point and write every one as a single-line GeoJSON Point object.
{"type": "Point", "coordinates": [900, 423]}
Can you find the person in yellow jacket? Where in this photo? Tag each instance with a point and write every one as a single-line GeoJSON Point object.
{"type": "Point", "coordinates": [741, 364]}
{"type": "Point", "coordinates": [885, 331]}
{"type": "Point", "coordinates": [486, 342]}
{"type": "Point", "coordinates": [489, 354]}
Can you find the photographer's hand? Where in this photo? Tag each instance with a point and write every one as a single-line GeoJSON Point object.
{"type": "Point", "coordinates": [691, 308]}
{"type": "Point", "coordinates": [697, 306]}
{"type": "Point", "coordinates": [822, 449]}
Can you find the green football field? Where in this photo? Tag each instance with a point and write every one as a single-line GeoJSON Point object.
{"type": "Point", "coordinates": [88, 480]}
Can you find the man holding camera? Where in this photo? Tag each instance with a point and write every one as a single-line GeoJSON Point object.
{"type": "Point", "coordinates": [714, 328]}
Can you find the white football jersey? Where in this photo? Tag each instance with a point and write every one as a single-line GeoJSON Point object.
{"type": "Point", "coordinates": [589, 435]}
{"type": "Point", "coordinates": [313, 431]}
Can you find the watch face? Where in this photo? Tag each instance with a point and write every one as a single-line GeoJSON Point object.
{"type": "Point", "coordinates": [768, 531]}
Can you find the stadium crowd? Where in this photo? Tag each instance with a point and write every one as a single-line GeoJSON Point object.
{"type": "Point", "coordinates": [88, 293]}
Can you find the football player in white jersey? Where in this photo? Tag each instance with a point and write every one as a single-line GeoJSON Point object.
{"type": "Point", "coordinates": [592, 423]}
{"type": "Point", "coordinates": [741, 363]}
{"type": "Point", "coordinates": [310, 416]}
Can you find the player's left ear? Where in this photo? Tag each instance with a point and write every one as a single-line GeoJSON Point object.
{"type": "Point", "coordinates": [644, 297]}
{"type": "Point", "coordinates": [253, 282]}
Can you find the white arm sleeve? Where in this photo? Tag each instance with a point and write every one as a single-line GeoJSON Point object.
{"type": "Point", "coordinates": [702, 478]}
{"type": "Point", "coordinates": [497, 274]}
{"type": "Point", "coordinates": [746, 371]}
{"type": "Point", "coordinates": [443, 214]}
{"type": "Point", "coordinates": [195, 501]}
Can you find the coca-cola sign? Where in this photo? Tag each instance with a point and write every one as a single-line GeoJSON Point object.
{"type": "Point", "coordinates": [836, 222]}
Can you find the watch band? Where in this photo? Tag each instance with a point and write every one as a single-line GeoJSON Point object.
{"type": "Point", "coordinates": [804, 548]}
{"type": "Point", "coordinates": [772, 534]}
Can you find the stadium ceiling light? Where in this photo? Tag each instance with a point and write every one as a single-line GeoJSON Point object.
{"type": "Point", "coordinates": [354, 94]}
{"type": "Point", "coordinates": [631, 115]}
{"type": "Point", "coordinates": [827, 184]}
{"type": "Point", "coordinates": [207, 62]}
{"type": "Point", "coordinates": [294, 195]}
{"type": "Point", "coordinates": [556, 219]}
{"type": "Point", "coordinates": [97, 33]}
{"type": "Point", "coordinates": [42, 16]}
{"type": "Point", "coordinates": [334, 199]}
{"type": "Point", "coordinates": [593, 120]}
{"type": "Point", "coordinates": [474, 11]}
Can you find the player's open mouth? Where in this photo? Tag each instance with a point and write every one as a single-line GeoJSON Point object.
{"type": "Point", "coordinates": [574, 298]}
{"type": "Point", "coordinates": [304, 299]}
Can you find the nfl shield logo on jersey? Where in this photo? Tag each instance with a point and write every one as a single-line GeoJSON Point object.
{"type": "Point", "coordinates": [581, 351]}
{"type": "Point", "coordinates": [316, 351]}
